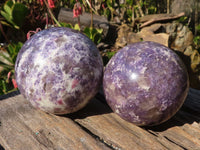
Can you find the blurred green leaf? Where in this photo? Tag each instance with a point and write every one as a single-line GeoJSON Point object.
{"type": "Point", "coordinates": [19, 12]}
{"type": "Point", "coordinates": [129, 2]}
{"type": "Point", "coordinates": [87, 31]}
{"type": "Point", "coordinates": [97, 38]}
{"type": "Point", "coordinates": [12, 51]}
{"type": "Point", "coordinates": [76, 27]}
{"type": "Point", "coordinates": [8, 7]}
{"type": "Point", "coordinates": [198, 27]}
{"type": "Point", "coordinates": [14, 14]}
{"type": "Point", "coordinates": [7, 17]}
{"type": "Point", "coordinates": [110, 54]}
{"type": "Point", "coordinates": [68, 25]}
{"type": "Point", "coordinates": [6, 23]}
{"type": "Point", "coordinates": [6, 58]}
{"type": "Point", "coordinates": [5, 66]}
{"type": "Point", "coordinates": [8, 3]}
{"type": "Point", "coordinates": [3, 86]}
{"type": "Point", "coordinates": [94, 34]}
{"type": "Point", "coordinates": [182, 19]}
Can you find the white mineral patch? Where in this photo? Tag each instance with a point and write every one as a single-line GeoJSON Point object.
{"type": "Point", "coordinates": [41, 62]}
{"type": "Point", "coordinates": [133, 115]}
{"type": "Point", "coordinates": [143, 83]}
{"type": "Point", "coordinates": [133, 76]}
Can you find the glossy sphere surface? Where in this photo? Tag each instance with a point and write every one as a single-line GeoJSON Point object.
{"type": "Point", "coordinates": [59, 70]}
{"type": "Point", "coordinates": [145, 83]}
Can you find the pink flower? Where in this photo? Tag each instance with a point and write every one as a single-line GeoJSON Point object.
{"type": "Point", "coordinates": [41, 2]}
{"type": "Point", "coordinates": [13, 80]}
{"type": "Point", "coordinates": [28, 35]}
{"type": "Point", "coordinates": [77, 10]}
{"type": "Point", "coordinates": [51, 3]}
{"type": "Point", "coordinates": [8, 76]}
{"type": "Point", "coordinates": [14, 83]}
{"type": "Point", "coordinates": [103, 6]}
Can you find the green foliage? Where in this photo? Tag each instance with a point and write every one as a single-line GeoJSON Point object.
{"type": "Point", "coordinates": [129, 2]}
{"type": "Point", "coordinates": [6, 85]}
{"type": "Point", "coordinates": [197, 28]}
{"type": "Point", "coordinates": [12, 51]}
{"type": "Point", "coordinates": [197, 41]}
{"type": "Point", "coordinates": [14, 14]}
{"type": "Point", "coordinates": [94, 34]}
{"type": "Point", "coordinates": [69, 25]}
{"type": "Point", "coordinates": [110, 54]}
{"type": "Point", "coordinates": [183, 20]}
{"type": "Point", "coordinates": [107, 56]}
{"type": "Point", "coordinates": [152, 9]}
{"type": "Point", "coordinates": [129, 13]}
{"type": "Point", "coordinates": [10, 56]}
{"type": "Point", "coordinates": [197, 38]}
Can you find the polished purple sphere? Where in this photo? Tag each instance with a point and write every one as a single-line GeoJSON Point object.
{"type": "Point", "coordinates": [145, 83]}
{"type": "Point", "coordinates": [59, 70]}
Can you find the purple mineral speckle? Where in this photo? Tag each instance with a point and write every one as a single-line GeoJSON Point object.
{"type": "Point", "coordinates": [59, 70]}
{"type": "Point", "coordinates": [145, 83]}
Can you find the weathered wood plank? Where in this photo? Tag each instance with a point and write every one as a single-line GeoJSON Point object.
{"type": "Point", "coordinates": [95, 127]}
{"type": "Point", "coordinates": [24, 128]}
{"type": "Point", "coordinates": [66, 15]}
{"type": "Point", "coordinates": [123, 135]}
{"type": "Point", "coordinates": [115, 131]}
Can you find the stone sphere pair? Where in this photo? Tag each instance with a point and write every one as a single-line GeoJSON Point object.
{"type": "Point", "coordinates": [59, 70]}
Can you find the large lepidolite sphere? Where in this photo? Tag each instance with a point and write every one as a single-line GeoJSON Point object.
{"type": "Point", "coordinates": [59, 70]}
{"type": "Point", "coordinates": [145, 83]}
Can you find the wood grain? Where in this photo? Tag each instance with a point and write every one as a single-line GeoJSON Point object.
{"type": "Point", "coordinates": [24, 128]}
{"type": "Point", "coordinates": [95, 127]}
{"type": "Point", "coordinates": [180, 132]}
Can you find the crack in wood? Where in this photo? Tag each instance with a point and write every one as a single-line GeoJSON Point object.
{"type": "Point", "coordinates": [41, 137]}
{"type": "Point", "coordinates": [93, 127]}
{"type": "Point", "coordinates": [98, 138]}
{"type": "Point", "coordinates": [175, 143]}
{"type": "Point", "coordinates": [151, 132]}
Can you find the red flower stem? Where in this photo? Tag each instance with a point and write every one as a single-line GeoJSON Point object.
{"type": "Point", "coordinates": [51, 14]}
{"type": "Point", "coordinates": [79, 22]}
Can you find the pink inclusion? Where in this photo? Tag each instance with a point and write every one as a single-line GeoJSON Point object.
{"type": "Point", "coordinates": [74, 83]}
{"type": "Point", "coordinates": [60, 102]}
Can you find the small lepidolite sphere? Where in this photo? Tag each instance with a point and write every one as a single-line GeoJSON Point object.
{"type": "Point", "coordinates": [145, 83]}
{"type": "Point", "coordinates": [59, 70]}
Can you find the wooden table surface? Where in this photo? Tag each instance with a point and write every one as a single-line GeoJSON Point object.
{"type": "Point", "coordinates": [95, 127]}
